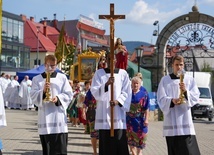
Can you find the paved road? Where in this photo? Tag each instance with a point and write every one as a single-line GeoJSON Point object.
{"type": "Point", "coordinates": [20, 137]}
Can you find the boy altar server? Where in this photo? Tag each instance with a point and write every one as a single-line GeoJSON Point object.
{"type": "Point", "coordinates": [178, 127]}
{"type": "Point", "coordinates": [52, 116]}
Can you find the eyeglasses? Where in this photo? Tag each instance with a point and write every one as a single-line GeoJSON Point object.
{"type": "Point", "coordinates": [52, 66]}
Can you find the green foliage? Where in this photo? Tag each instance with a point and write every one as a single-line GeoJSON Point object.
{"type": "Point", "coordinates": [206, 67]}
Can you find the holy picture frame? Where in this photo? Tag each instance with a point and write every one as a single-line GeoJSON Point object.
{"type": "Point", "coordinates": [74, 71]}
{"type": "Point", "coordinates": [88, 63]}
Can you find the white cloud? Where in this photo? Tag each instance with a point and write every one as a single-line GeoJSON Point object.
{"type": "Point", "coordinates": [209, 2]}
{"type": "Point", "coordinates": [143, 13]}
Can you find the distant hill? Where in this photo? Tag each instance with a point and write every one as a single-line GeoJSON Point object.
{"type": "Point", "coordinates": [131, 45]}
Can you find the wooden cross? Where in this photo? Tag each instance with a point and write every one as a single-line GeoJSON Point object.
{"type": "Point", "coordinates": [112, 17]}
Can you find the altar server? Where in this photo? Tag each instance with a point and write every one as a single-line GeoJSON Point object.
{"type": "Point", "coordinates": [100, 89]}
{"type": "Point", "coordinates": [52, 115]}
{"type": "Point", "coordinates": [178, 127]}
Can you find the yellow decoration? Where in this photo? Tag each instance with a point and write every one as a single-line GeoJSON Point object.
{"type": "Point", "coordinates": [102, 53]}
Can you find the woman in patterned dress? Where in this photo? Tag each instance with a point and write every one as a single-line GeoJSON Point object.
{"type": "Point", "coordinates": [137, 118]}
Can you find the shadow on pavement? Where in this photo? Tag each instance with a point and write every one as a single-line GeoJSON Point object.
{"type": "Point", "coordinates": [81, 153]}
{"type": "Point", "coordinates": [36, 152]}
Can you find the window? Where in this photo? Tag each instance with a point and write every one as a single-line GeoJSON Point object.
{"type": "Point", "coordinates": [204, 93]}
{"type": "Point", "coordinates": [12, 30]}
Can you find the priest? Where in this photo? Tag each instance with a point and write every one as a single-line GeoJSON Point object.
{"type": "Point", "coordinates": [52, 115]}
{"type": "Point", "coordinates": [24, 93]}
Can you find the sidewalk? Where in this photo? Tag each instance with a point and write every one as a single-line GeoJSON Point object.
{"type": "Point", "coordinates": [20, 137]}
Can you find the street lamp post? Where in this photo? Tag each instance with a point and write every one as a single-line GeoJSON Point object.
{"type": "Point", "coordinates": [193, 65]}
{"type": "Point", "coordinates": [139, 51]}
{"type": "Point", "coordinates": [156, 33]}
{"type": "Point", "coordinates": [37, 53]}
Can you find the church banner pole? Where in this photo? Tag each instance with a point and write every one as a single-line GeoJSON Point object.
{"type": "Point", "coordinates": [112, 17]}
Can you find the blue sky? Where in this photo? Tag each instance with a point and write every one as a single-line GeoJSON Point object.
{"type": "Point", "coordinates": [140, 14]}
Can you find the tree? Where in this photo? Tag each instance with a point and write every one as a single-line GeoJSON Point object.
{"type": "Point", "coordinates": [206, 67]}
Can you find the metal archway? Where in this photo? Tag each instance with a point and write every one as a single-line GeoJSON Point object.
{"type": "Point", "coordinates": [190, 35]}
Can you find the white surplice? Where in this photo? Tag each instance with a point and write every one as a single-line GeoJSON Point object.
{"type": "Point", "coordinates": [177, 119]}
{"type": "Point", "coordinates": [4, 84]}
{"type": "Point", "coordinates": [122, 93]}
{"type": "Point", "coordinates": [13, 94]}
{"type": "Point", "coordinates": [2, 110]}
{"type": "Point", "coordinates": [52, 119]}
{"type": "Point", "coordinates": [24, 93]}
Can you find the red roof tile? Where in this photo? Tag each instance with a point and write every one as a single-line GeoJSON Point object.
{"type": "Point", "coordinates": [45, 43]}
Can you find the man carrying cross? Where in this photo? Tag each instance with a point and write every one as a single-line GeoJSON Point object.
{"type": "Point", "coordinates": [111, 88]}
{"type": "Point", "coordinates": [100, 88]}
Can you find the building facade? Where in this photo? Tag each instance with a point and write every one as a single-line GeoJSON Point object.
{"type": "Point", "coordinates": [15, 55]}
{"type": "Point", "coordinates": [41, 39]}
{"type": "Point", "coordinates": [83, 32]}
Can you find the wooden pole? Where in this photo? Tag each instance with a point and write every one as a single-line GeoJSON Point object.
{"type": "Point", "coordinates": [112, 17]}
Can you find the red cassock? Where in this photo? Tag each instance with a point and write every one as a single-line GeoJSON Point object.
{"type": "Point", "coordinates": [122, 59]}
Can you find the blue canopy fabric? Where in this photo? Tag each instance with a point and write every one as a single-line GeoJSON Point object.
{"type": "Point", "coordinates": [33, 72]}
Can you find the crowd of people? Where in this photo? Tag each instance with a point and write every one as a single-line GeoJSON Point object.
{"type": "Point", "coordinates": [93, 104]}
{"type": "Point", "coordinates": [16, 95]}
{"type": "Point", "coordinates": [13, 95]}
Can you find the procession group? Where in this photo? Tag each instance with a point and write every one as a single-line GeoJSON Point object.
{"type": "Point", "coordinates": [16, 95]}
{"type": "Point", "coordinates": [126, 108]}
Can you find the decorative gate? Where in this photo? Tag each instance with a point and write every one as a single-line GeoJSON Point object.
{"type": "Point", "coordinates": [190, 35]}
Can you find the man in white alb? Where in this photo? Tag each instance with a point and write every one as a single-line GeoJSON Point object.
{"type": "Point", "coordinates": [178, 127]}
{"type": "Point", "coordinates": [52, 115]}
{"type": "Point", "coordinates": [13, 93]}
{"type": "Point", "coordinates": [100, 88]}
{"type": "Point", "coordinates": [24, 93]}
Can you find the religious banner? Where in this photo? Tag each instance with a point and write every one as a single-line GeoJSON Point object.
{"type": "Point", "coordinates": [61, 49]}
